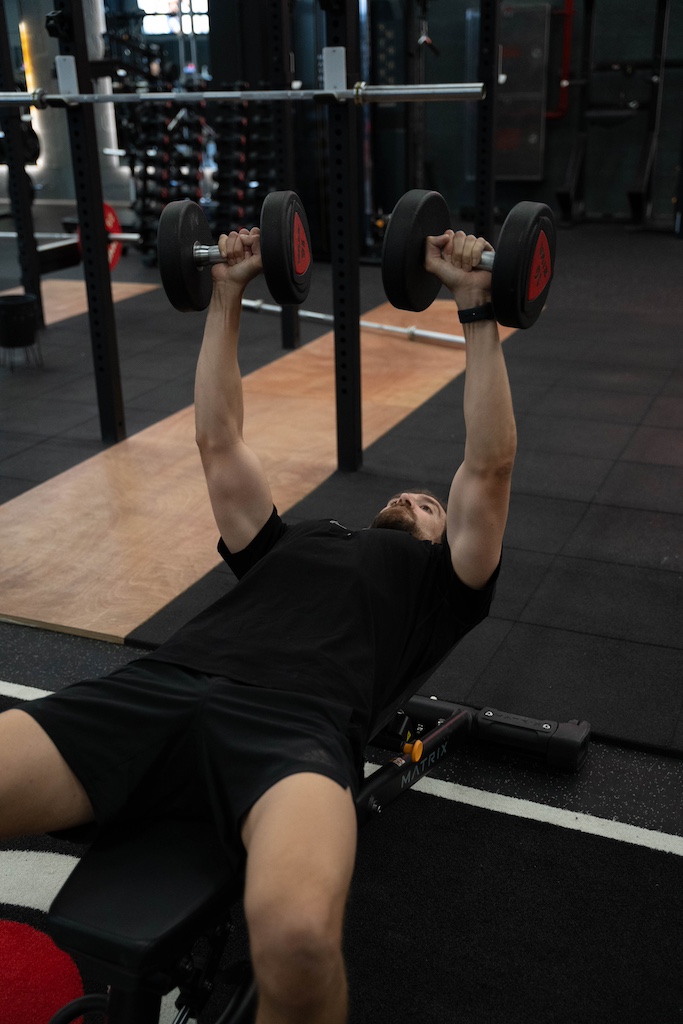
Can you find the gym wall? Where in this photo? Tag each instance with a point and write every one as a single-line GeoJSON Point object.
{"type": "Point", "coordinates": [623, 32]}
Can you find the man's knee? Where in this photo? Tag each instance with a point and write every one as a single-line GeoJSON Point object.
{"type": "Point", "coordinates": [297, 955]}
{"type": "Point", "coordinates": [300, 839]}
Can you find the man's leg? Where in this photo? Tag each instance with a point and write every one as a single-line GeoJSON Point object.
{"type": "Point", "coordinates": [301, 846]}
{"type": "Point", "coordinates": [38, 790]}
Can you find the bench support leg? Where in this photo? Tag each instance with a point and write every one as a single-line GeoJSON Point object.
{"type": "Point", "coordinates": [140, 1007]}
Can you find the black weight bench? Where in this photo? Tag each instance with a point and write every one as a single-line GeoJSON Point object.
{"type": "Point", "coordinates": [139, 899]}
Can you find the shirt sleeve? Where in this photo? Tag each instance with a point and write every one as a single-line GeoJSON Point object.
{"type": "Point", "coordinates": [471, 606]}
{"type": "Point", "coordinates": [242, 561]}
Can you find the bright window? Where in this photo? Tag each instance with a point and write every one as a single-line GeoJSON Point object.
{"type": "Point", "coordinates": [173, 18]}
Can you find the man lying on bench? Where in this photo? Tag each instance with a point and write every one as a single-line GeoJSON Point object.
{"type": "Point", "coordinates": [254, 717]}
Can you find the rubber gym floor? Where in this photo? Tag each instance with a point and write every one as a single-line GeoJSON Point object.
{"type": "Point", "coordinates": [497, 891]}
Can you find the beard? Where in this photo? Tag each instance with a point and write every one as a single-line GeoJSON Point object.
{"type": "Point", "coordinates": [398, 517]}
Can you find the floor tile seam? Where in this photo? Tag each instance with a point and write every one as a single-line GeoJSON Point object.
{"type": "Point", "coordinates": [492, 652]}
{"type": "Point", "coordinates": [650, 464]}
{"type": "Point", "coordinates": [612, 563]}
{"type": "Point", "coordinates": [25, 483]}
{"type": "Point", "coordinates": [600, 422]}
{"type": "Point", "coordinates": [661, 393]}
{"type": "Point", "coordinates": [602, 386]}
{"type": "Point", "coordinates": [671, 753]}
{"type": "Point", "coordinates": [595, 504]}
{"type": "Point", "coordinates": [39, 439]}
{"type": "Point", "coordinates": [544, 575]}
{"type": "Point", "coordinates": [615, 459]}
{"type": "Point", "coordinates": [624, 508]}
{"type": "Point", "coordinates": [518, 621]}
{"type": "Point", "coordinates": [542, 447]}
{"type": "Point", "coordinates": [526, 493]}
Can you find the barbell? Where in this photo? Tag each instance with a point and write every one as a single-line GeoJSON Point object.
{"type": "Point", "coordinates": [361, 92]}
{"type": "Point", "coordinates": [521, 267]}
{"type": "Point", "coordinates": [185, 250]}
{"type": "Point", "coordinates": [59, 250]}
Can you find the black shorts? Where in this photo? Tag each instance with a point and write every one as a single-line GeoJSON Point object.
{"type": "Point", "coordinates": [156, 740]}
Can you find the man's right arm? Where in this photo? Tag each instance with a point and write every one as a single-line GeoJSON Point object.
{"type": "Point", "coordinates": [238, 487]}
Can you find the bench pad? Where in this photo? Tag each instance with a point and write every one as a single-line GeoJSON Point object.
{"type": "Point", "coordinates": [139, 898]}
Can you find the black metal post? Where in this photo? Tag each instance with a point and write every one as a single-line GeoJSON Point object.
{"type": "Point", "coordinates": [280, 31]}
{"type": "Point", "coordinates": [485, 179]}
{"type": "Point", "coordinates": [640, 192]}
{"type": "Point", "coordinates": [253, 39]}
{"type": "Point", "coordinates": [19, 183]}
{"type": "Point", "coordinates": [571, 194]}
{"type": "Point", "coordinates": [342, 30]}
{"type": "Point", "coordinates": [678, 195]}
{"type": "Point", "coordinates": [67, 24]}
{"type": "Point", "coordinates": [415, 113]}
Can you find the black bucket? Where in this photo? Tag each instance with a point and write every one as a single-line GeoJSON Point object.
{"type": "Point", "coordinates": [18, 325]}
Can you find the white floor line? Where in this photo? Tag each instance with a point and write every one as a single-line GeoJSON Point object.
{"type": "Point", "coordinates": [32, 879]}
{"type": "Point", "coordinates": [604, 827]}
{"type": "Point", "coordinates": [21, 692]}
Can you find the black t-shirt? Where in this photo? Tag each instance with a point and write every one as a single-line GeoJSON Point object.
{"type": "Point", "coordinates": [354, 616]}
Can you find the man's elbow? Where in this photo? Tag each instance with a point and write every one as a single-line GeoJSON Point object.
{"type": "Point", "coordinates": [216, 439]}
{"type": "Point", "coordinates": [494, 467]}
{"type": "Point", "coordinates": [204, 443]}
{"type": "Point", "coordinates": [504, 468]}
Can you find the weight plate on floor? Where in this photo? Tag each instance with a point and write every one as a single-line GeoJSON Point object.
{"type": "Point", "coordinates": [188, 287]}
{"type": "Point", "coordinates": [417, 214]}
{"type": "Point", "coordinates": [524, 264]}
{"type": "Point", "coordinates": [286, 248]}
{"type": "Point", "coordinates": [113, 226]}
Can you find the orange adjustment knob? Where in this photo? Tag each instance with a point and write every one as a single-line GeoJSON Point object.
{"type": "Point", "coordinates": [414, 749]}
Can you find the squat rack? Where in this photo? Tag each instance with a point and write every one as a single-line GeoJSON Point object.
{"type": "Point", "coordinates": [67, 24]}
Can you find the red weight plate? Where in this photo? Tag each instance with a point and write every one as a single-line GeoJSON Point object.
{"type": "Point", "coordinates": [541, 271]}
{"type": "Point", "coordinates": [524, 265]}
{"type": "Point", "coordinates": [417, 214]}
{"type": "Point", "coordinates": [113, 226]}
{"type": "Point", "coordinates": [301, 248]}
{"type": "Point", "coordinates": [286, 247]}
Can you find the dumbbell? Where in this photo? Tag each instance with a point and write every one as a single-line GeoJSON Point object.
{"type": "Point", "coordinates": [185, 251]}
{"type": "Point", "coordinates": [521, 267]}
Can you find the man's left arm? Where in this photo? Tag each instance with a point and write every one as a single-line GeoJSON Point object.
{"type": "Point", "coordinates": [479, 496]}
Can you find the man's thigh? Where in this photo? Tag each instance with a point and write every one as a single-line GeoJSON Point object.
{"type": "Point", "coordinates": [38, 790]}
{"type": "Point", "coordinates": [116, 734]}
{"type": "Point", "coordinates": [300, 838]}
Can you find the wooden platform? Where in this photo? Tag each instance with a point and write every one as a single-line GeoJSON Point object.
{"type": "Point", "coordinates": [64, 299]}
{"type": "Point", "coordinates": [102, 547]}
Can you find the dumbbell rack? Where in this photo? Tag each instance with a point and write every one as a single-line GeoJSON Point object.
{"type": "Point", "coordinates": [166, 157]}
{"type": "Point", "coordinates": [244, 164]}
